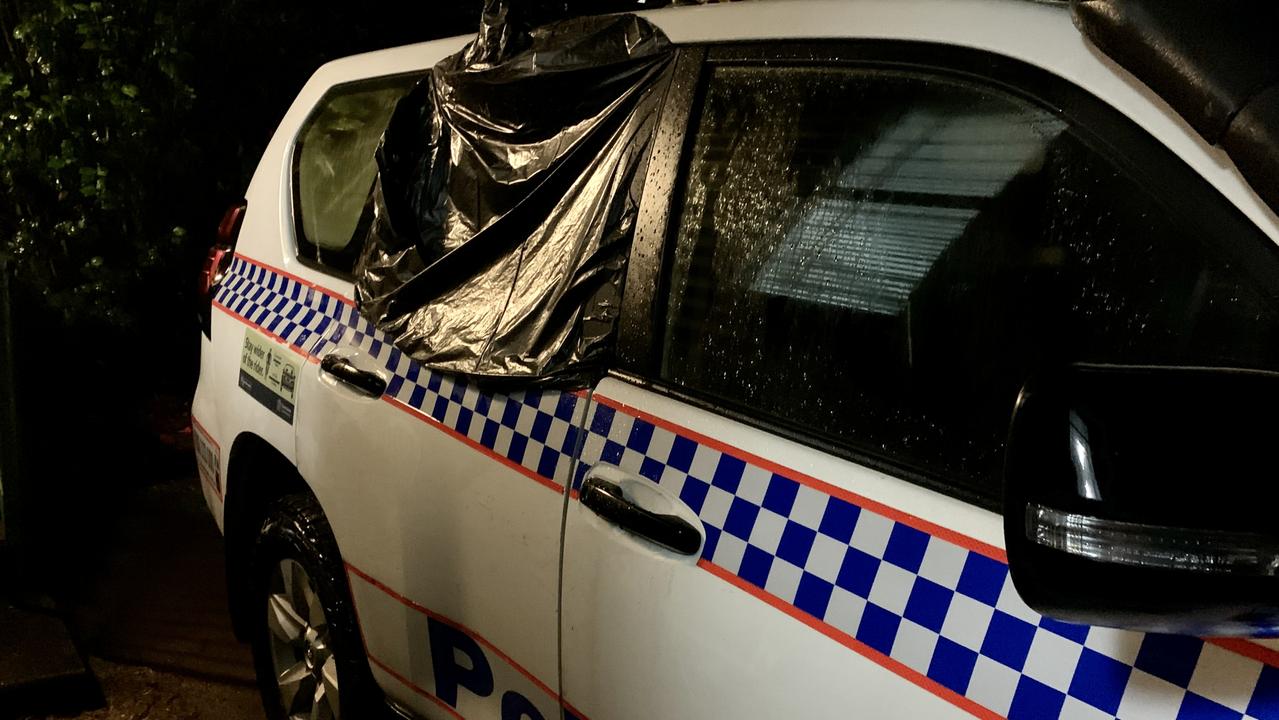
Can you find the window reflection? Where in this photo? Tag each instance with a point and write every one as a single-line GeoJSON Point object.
{"type": "Point", "coordinates": [882, 258]}
{"type": "Point", "coordinates": [933, 169]}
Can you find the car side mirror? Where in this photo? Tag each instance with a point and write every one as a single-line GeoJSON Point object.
{"type": "Point", "coordinates": [1141, 497]}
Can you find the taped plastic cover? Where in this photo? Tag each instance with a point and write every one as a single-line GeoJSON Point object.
{"type": "Point", "coordinates": [506, 196]}
{"type": "Point", "coordinates": [1216, 64]}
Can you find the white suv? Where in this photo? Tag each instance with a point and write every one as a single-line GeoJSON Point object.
{"type": "Point", "coordinates": [784, 497]}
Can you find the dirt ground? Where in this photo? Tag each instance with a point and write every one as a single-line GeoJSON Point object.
{"type": "Point", "coordinates": [155, 594]}
{"type": "Point", "coordinates": [149, 609]}
{"type": "Point", "coordinates": [140, 693]}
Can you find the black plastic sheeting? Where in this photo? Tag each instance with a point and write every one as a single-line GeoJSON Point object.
{"type": "Point", "coordinates": [1215, 63]}
{"type": "Point", "coordinates": [507, 192]}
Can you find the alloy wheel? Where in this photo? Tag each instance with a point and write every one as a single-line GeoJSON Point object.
{"type": "Point", "coordinates": [302, 659]}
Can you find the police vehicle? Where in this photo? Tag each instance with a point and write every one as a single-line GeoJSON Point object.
{"type": "Point", "coordinates": [865, 228]}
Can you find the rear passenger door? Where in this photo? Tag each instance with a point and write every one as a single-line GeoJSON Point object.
{"type": "Point", "coordinates": [446, 501]}
{"type": "Point", "coordinates": [866, 257]}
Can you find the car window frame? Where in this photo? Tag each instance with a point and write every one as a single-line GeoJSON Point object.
{"type": "Point", "coordinates": [306, 252]}
{"type": "Point", "coordinates": [646, 296]}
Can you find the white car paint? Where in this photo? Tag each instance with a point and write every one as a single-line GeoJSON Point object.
{"type": "Point", "coordinates": [700, 647]}
{"type": "Point", "coordinates": [438, 528]}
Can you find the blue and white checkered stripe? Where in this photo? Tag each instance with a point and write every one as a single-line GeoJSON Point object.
{"type": "Point", "coordinates": [944, 611]}
{"type": "Point", "coordinates": [535, 430]}
{"type": "Point", "coordinates": [280, 305]}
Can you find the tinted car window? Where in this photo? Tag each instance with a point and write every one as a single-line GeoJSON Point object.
{"type": "Point", "coordinates": [882, 258]}
{"type": "Point", "coordinates": [334, 166]}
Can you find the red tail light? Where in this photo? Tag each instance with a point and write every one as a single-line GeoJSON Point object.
{"type": "Point", "coordinates": [219, 257]}
{"type": "Point", "coordinates": [218, 261]}
{"type": "Point", "coordinates": [211, 274]}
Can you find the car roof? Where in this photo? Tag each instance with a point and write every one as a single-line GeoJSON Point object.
{"type": "Point", "coordinates": [834, 19]}
{"type": "Point", "coordinates": [979, 23]}
{"type": "Point", "coordinates": [1041, 34]}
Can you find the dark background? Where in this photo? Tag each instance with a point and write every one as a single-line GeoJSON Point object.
{"type": "Point", "coordinates": [127, 127]}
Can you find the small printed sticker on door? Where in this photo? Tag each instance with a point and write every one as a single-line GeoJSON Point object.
{"type": "Point", "coordinates": [269, 374]}
{"type": "Point", "coordinates": [207, 458]}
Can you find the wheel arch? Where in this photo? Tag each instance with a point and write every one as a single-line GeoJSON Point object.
{"type": "Point", "coordinates": [257, 474]}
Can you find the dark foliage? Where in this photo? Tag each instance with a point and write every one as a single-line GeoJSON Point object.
{"type": "Point", "coordinates": [126, 128]}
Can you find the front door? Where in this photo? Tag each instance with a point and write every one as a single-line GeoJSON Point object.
{"type": "Point", "coordinates": [867, 257]}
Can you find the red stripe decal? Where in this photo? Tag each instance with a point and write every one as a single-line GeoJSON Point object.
{"type": "Point", "coordinates": [412, 411]}
{"type": "Point", "coordinates": [387, 669]}
{"type": "Point", "coordinates": [195, 424]}
{"type": "Point", "coordinates": [569, 706]}
{"type": "Point", "coordinates": [918, 523]}
{"type": "Point", "coordinates": [1242, 646]}
{"type": "Point", "coordinates": [394, 402]}
{"type": "Point", "coordinates": [318, 288]}
{"type": "Point", "coordinates": [207, 435]}
{"type": "Point", "coordinates": [854, 644]}
{"type": "Point", "coordinates": [1247, 648]}
{"type": "Point", "coordinates": [455, 624]}
{"type": "Point", "coordinates": [530, 474]}
{"type": "Point", "coordinates": [264, 331]}
{"type": "Point", "coordinates": [211, 486]}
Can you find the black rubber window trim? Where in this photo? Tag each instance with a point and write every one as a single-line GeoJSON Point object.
{"type": "Point", "coordinates": [1105, 128]}
{"type": "Point", "coordinates": [306, 251]}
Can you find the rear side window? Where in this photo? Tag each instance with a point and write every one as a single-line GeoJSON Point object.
{"type": "Point", "coordinates": [881, 258]}
{"type": "Point", "coordinates": [334, 167]}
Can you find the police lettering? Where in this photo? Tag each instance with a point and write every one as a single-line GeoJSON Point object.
{"type": "Point", "coordinates": [446, 642]}
{"type": "Point", "coordinates": [460, 662]}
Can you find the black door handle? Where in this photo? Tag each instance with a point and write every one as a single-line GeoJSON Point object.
{"type": "Point", "coordinates": [606, 500]}
{"type": "Point", "coordinates": [344, 370]}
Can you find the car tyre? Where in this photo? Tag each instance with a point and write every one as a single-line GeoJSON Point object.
{"type": "Point", "coordinates": [307, 649]}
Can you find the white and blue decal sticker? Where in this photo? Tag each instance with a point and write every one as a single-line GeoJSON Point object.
{"type": "Point", "coordinates": [208, 457]}
{"type": "Point", "coordinates": [269, 374]}
{"type": "Point", "coordinates": [929, 604]}
{"type": "Point", "coordinates": [532, 432]}
{"type": "Point", "coordinates": [536, 433]}
{"type": "Point", "coordinates": [456, 668]}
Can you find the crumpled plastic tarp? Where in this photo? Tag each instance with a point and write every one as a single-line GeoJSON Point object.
{"type": "Point", "coordinates": [506, 197]}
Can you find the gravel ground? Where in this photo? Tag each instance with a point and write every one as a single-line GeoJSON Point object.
{"type": "Point", "coordinates": [147, 602]}
{"type": "Point", "coordinates": [140, 693]}
{"type": "Point", "coordinates": [154, 593]}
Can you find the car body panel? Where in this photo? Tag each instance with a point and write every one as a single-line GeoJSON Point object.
{"type": "Point", "coordinates": [433, 464]}
{"type": "Point", "coordinates": [829, 585]}
{"type": "Point", "coordinates": [453, 548]}
{"type": "Point", "coordinates": [1037, 33]}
